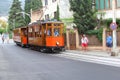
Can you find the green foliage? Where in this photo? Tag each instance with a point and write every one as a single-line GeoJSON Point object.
{"type": "Point", "coordinates": [71, 30]}
{"type": "Point", "coordinates": [67, 20]}
{"type": "Point", "coordinates": [27, 9]}
{"type": "Point", "coordinates": [15, 20]}
{"type": "Point", "coordinates": [109, 21]}
{"type": "Point", "coordinates": [58, 13]}
{"type": "Point", "coordinates": [2, 30]}
{"type": "Point", "coordinates": [31, 4]}
{"type": "Point", "coordinates": [83, 14]}
{"type": "Point", "coordinates": [3, 24]}
{"type": "Point", "coordinates": [64, 29]}
{"type": "Point", "coordinates": [10, 35]}
{"type": "Point", "coordinates": [36, 4]}
{"type": "Point", "coordinates": [97, 32]}
{"type": "Point", "coordinates": [100, 21]}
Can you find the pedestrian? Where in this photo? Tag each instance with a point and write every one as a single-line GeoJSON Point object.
{"type": "Point", "coordinates": [7, 37]}
{"type": "Point", "coordinates": [3, 38]}
{"type": "Point", "coordinates": [56, 32]}
{"type": "Point", "coordinates": [84, 42]}
{"type": "Point", "coordinates": [109, 41]}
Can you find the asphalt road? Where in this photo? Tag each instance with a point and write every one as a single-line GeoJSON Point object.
{"type": "Point", "coordinates": [17, 63]}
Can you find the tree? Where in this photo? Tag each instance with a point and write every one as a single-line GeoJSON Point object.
{"type": "Point", "coordinates": [27, 10]}
{"type": "Point", "coordinates": [58, 13]}
{"type": "Point", "coordinates": [15, 20]}
{"type": "Point", "coordinates": [36, 4]}
{"type": "Point", "coordinates": [31, 4]}
{"type": "Point", "coordinates": [3, 26]}
{"type": "Point", "coordinates": [83, 14]}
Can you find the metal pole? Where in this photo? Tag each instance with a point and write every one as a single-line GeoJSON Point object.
{"type": "Point", "coordinates": [114, 31]}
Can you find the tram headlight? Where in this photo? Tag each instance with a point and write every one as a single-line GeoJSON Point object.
{"type": "Point", "coordinates": [57, 43]}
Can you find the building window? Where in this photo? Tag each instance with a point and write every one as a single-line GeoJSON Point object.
{"type": "Point", "coordinates": [47, 17]}
{"type": "Point", "coordinates": [46, 2]}
{"type": "Point", "coordinates": [55, 15]}
{"type": "Point", "coordinates": [103, 4]}
{"type": "Point", "coordinates": [53, 0]}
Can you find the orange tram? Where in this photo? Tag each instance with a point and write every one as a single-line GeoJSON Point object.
{"type": "Point", "coordinates": [43, 36]}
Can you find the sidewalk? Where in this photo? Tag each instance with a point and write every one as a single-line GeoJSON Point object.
{"type": "Point", "coordinates": [97, 53]}
{"type": "Point", "coordinates": [100, 57]}
{"type": "Point", "coordinates": [5, 42]}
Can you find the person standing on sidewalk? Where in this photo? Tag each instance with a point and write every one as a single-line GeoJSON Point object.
{"type": "Point", "coordinates": [109, 41]}
{"type": "Point", "coordinates": [7, 37]}
{"type": "Point", "coordinates": [3, 37]}
{"type": "Point", "coordinates": [84, 42]}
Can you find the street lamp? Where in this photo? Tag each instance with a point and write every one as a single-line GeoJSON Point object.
{"type": "Point", "coordinates": [114, 21]}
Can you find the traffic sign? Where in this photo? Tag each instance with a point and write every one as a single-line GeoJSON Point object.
{"type": "Point", "coordinates": [113, 26]}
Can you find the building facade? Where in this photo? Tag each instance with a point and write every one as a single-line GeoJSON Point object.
{"type": "Point", "coordinates": [106, 6]}
{"type": "Point", "coordinates": [49, 10]}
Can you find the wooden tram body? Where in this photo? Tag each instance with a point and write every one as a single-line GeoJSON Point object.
{"type": "Point", "coordinates": [42, 36]}
{"type": "Point", "coordinates": [20, 36]}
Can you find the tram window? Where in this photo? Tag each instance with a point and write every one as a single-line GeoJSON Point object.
{"type": "Point", "coordinates": [40, 31]}
{"type": "Point", "coordinates": [25, 32]}
{"type": "Point", "coordinates": [30, 34]}
{"type": "Point", "coordinates": [49, 24]}
{"type": "Point", "coordinates": [56, 24]}
{"type": "Point", "coordinates": [49, 32]}
{"type": "Point", "coordinates": [36, 34]}
{"type": "Point", "coordinates": [56, 32]}
{"type": "Point", "coordinates": [44, 31]}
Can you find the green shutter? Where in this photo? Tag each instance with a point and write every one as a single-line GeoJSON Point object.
{"type": "Point", "coordinates": [101, 4]}
{"type": "Point", "coordinates": [106, 4]}
{"type": "Point", "coordinates": [97, 4]}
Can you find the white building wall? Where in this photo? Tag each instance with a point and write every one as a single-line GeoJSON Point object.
{"type": "Point", "coordinates": [52, 7]}
{"type": "Point", "coordinates": [109, 14]}
{"type": "Point", "coordinates": [64, 6]}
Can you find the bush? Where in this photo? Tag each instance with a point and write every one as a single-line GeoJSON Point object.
{"type": "Point", "coordinates": [10, 36]}
{"type": "Point", "coordinates": [98, 33]}
{"type": "Point", "coordinates": [2, 30]}
{"type": "Point", "coordinates": [107, 22]}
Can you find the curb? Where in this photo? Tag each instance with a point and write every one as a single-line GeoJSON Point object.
{"type": "Point", "coordinates": [106, 60]}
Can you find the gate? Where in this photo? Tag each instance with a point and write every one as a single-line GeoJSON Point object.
{"type": "Point", "coordinates": [72, 41]}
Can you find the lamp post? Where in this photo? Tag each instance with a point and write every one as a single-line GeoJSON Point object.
{"type": "Point", "coordinates": [114, 21]}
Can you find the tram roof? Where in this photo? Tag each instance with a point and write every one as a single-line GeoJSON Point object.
{"type": "Point", "coordinates": [44, 22]}
{"type": "Point", "coordinates": [20, 27]}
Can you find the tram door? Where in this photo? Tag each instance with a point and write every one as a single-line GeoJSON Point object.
{"type": "Point", "coordinates": [44, 34]}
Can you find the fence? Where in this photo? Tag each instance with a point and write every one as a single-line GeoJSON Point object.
{"type": "Point", "coordinates": [93, 40]}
